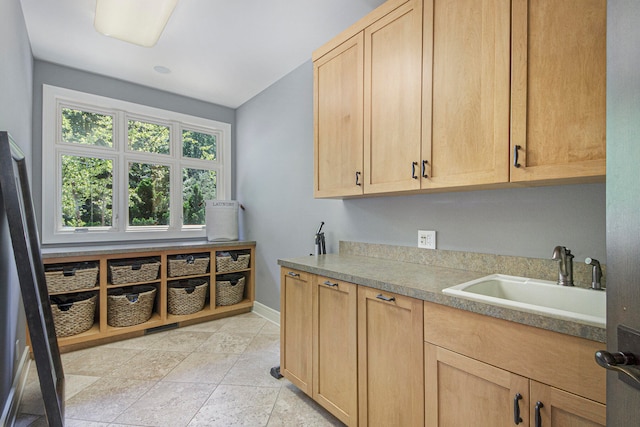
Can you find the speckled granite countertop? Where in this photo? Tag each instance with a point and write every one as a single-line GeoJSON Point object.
{"type": "Point", "coordinates": [426, 282]}
{"type": "Point", "coordinates": [70, 251]}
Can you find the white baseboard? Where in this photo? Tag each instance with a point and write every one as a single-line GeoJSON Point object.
{"type": "Point", "coordinates": [266, 312]}
{"type": "Point", "coordinates": [10, 410]}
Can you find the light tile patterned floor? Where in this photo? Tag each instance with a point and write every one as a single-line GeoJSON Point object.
{"type": "Point", "coordinates": [210, 374]}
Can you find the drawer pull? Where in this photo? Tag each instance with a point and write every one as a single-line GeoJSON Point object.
{"type": "Point", "coordinates": [516, 409]}
{"type": "Point", "coordinates": [538, 416]}
{"type": "Point", "coordinates": [424, 169]}
{"type": "Point", "coordinates": [358, 178]}
{"type": "Point", "coordinates": [383, 298]}
{"type": "Point", "coordinates": [292, 274]}
{"type": "Point", "coordinates": [328, 283]}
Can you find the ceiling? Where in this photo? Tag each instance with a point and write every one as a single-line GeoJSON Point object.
{"type": "Point", "coordinates": [219, 51]}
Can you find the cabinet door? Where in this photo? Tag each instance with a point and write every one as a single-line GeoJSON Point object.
{"type": "Point", "coordinates": [295, 328]}
{"type": "Point", "coordinates": [335, 375]}
{"type": "Point", "coordinates": [390, 359]}
{"type": "Point", "coordinates": [338, 97]}
{"type": "Point", "coordinates": [466, 92]}
{"type": "Point", "coordinates": [558, 90]}
{"type": "Point", "coordinates": [461, 391]}
{"type": "Point", "coordinates": [563, 409]}
{"type": "Point", "coordinates": [392, 99]}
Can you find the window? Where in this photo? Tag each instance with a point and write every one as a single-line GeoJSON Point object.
{"type": "Point", "coordinates": [115, 171]}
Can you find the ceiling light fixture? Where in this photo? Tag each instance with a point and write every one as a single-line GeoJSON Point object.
{"type": "Point", "coordinates": [135, 21]}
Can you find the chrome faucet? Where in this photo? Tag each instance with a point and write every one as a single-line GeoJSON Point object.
{"type": "Point", "coordinates": [596, 273]}
{"type": "Point", "coordinates": [565, 268]}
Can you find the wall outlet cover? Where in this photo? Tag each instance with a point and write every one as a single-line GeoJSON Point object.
{"type": "Point", "coordinates": [427, 239]}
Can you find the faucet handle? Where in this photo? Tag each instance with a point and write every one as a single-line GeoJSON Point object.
{"type": "Point", "coordinates": [596, 273]}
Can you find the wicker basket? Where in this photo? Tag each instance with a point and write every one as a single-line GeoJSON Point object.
{"type": "Point", "coordinates": [134, 270]}
{"type": "Point", "coordinates": [130, 306]}
{"type": "Point", "coordinates": [188, 265]}
{"type": "Point", "coordinates": [231, 261]}
{"type": "Point", "coordinates": [73, 315]}
{"type": "Point", "coordinates": [71, 277]}
{"type": "Point", "coordinates": [229, 289]}
{"type": "Point", "coordinates": [186, 296]}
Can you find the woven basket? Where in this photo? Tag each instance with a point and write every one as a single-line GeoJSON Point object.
{"type": "Point", "coordinates": [71, 277]}
{"type": "Point", "coordinates": [225, 262]}
{"type": "Point", "coordinates": [188, 265]}
{"type": "Point", "coordinates": [187, 296]}
{"type": "Point", "coordinates": [134, 271]}
{"type": "Point", "coordinates": [229, 289]}
{"type": "Point", "coordinates": [130, 306]}
{"type": "Point", "coordinates": [74, 315]}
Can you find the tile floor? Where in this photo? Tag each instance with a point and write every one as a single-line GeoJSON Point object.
{"type": "Point", "coordinates": [210, 374]}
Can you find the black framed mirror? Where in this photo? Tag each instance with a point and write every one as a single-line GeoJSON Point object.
{"type": "Point", "coordinates": [18, 205]}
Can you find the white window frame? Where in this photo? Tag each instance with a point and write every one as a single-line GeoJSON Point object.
{"type": "Point", "coordinates": [54, 98]}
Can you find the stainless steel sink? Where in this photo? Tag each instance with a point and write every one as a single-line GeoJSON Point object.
{"type": "Point", "coordinates": [540, 296]}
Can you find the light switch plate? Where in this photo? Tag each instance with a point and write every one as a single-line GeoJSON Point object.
{"type": "Point", "coordinates": [427, 239]}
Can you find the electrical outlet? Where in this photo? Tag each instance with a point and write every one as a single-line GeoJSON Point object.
{"type": "Point", "coordinates": [427, 239]}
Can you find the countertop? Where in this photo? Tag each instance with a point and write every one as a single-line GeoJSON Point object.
{"type": "Point", "coordinates": [426, 283]}
{"type": "Point", "coordinates": [71, 251]}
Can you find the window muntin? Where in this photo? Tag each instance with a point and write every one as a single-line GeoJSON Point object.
{"type": "Point", "coordinates": [178, 215]}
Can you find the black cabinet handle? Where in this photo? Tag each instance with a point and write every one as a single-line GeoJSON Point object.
{"type": "Point", "coordinates": [292, 274]}
{"type": "Point", "coordinates": [358, 178]}
{"type": "Point", "coordinates": [328, 283]}
{"type": "Point", "coordinates": [383, 298]}
{"type": "Point", "coordinates": [424, 169]}
{"type": "Point", "coordinates": [516, 409]}
{"type": "Point", "coordinates": [539, 405]}
{"type": "Point", "coordinates": [413, 170]}
{"type": "Point", "coordinates": [515, 155]}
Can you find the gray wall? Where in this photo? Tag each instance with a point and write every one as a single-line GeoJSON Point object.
{"type": "Point", "coordinates": [16, 68]}
{"type": "Point", "coordinates": [57, 75]}
{"type": "Point", "coordinates": [274, 180]}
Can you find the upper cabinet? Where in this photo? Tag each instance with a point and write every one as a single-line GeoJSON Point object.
{"type": "Point", "coordinates": [465, 116]}
{"type": "Point", "coordinates": [392, 100]}
{"type": "Point", "coordinates": [558, 90]}
{"type": "Point", "coordinates": [430, 95]}
{"type": "Point", "coordinates": [338, 123]}
{"type": "Point", "coordinates": [367, 103]}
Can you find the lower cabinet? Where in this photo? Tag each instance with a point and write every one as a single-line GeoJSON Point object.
{"type": "Point", "coordinates": [491, 373]}
{"type": "Point", "coordinates": [461, 391]}
{"type": "Point", "coordinates": [390, 359]}
{"type": "Point", "coordinates": [356, 351]}
{"type": "Point", "coordinates": [295, 328]}
{"type": "Point", "coordinates": [335, 354]}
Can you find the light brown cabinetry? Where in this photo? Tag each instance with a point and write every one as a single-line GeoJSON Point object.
{"type": "Point", "coordinates": [465, 115]}
{"type": "Point", "coordinates": [486, 362]}
{"type": "Point", "coordinates": [160, 316]}
{"type": "Point", "coordinates": [296, 340]}
{"type": "Point", "coordinates": [357, 351]}
{"type": "Point", "coordinates": [390, 359]}
{"type": "Point", "coordinates": [462, 391]}
{"type": "Point", "coordinates": [335, 366]}
{"type": "Point", "coordinates": [463, 94]}
{"type": "Point", "coordinates": [558, 90]}
{"type": "Point", "coordinates": [392, 100]}
{"type": "Point", "coordinates": [367, 99]}
{"type": "Point", "coordinates": [338, 119]}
